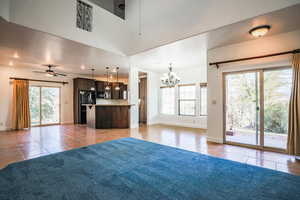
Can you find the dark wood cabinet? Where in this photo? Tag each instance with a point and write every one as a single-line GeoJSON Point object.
{"type": "Point", "coordinates": [100, 86]}
{"type": "Point", "coordinates": [84, 84]}
{"type": "Point", "coordinates": [115, 94]}
{"type": "Point", "coordinates": [119, 94]}
{"type": "Point", "coordinates": [123, 91]}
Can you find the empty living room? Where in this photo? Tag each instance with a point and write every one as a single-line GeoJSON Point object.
{"type": "Point", "coordinates": [150, 100]}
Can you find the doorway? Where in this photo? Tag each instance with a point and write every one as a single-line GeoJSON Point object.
{"type": "Point", "coordinates": [44, 103]}
{"type": "Point", "coordinates": [256, 107]}
{"type": "Point", "coordinates": [142, 98]}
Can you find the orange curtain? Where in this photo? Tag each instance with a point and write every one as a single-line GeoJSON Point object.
{"type": "Point", "coordinates": [20, 105]}
{"type": "Point", "coordinates": [294, 110]}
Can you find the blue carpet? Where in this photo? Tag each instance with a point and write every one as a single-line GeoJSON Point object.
{"type": "Point", "coordinates": [134, 169]}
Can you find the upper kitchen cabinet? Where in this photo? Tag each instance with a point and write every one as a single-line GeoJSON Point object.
{"type": "Point", "coordinates": [84, 84]}
{"type": "Point", "coordinates": [116, 93]}
{"type": "Point", "coordinates": [100, 86]}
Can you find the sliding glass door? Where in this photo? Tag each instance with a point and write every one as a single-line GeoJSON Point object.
{"type": "Point", "coordinates": [256, 107]}
{"type": "Point", "coordinates": [44, 105]}
{"type": "Point", "coordinates": [242, 108]}
{"type": "Point", "coordinates": [277, 90]}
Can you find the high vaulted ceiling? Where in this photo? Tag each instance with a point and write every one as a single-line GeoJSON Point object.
{"type": "Point", "coordinates": [166, 21]}
{"type": "Point", "coordinates": [191, 52]}
{"type": "Point", "coordinates": [162, 22]}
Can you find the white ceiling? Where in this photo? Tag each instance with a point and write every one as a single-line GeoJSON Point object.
{"type": "Point", "coordinates": [183, 54]}
{"type": "Point", "coordinates": [191, 52]}
{"type": "Point", "coordinates": [35, 48]}
{"type": "Point", "coordinates": [166, 21]}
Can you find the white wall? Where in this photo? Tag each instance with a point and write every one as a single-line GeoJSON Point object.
{"type": "Point", "coordinates": [6, 93]}
{"type": "Point", "coordinates": [5, 9]}
{"type": "Point", "coordinates": [59, 18]}
{"type": "Point", "coordinates": [266, 45]}
{"type": "Point", "coordinates": [152, 96]}
{"type": "Point", "coordinates": [189, 76]}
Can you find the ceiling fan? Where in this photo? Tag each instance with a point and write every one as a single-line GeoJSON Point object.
{"type": "Point", "coordinates": [49, 72]}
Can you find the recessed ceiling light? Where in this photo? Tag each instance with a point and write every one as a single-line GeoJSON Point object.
{"type": "Point", "coordinates": [11, 63]}
{"type": "Point", "coordinates": [16, 55]}
{"type": "Point", "coordinates": [82, 67]}
{"type": "Point", "coordinates": [260, 31]}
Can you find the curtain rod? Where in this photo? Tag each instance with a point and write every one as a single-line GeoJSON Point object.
{"type": "Point", "coordinates": [61, 82]}
{"type": "Point", "coordinates": [255, 57]}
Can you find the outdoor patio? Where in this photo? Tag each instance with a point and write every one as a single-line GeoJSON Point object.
{"type": "Point", "coordinates": [249, 137]}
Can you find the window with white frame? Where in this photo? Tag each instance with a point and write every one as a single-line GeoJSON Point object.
{"type": "Point", "coordinates": [187, 100]}
{"type": "Point", "coordinates": [167, 105]}
{"type": "Point", "coordinates": [203, 99]}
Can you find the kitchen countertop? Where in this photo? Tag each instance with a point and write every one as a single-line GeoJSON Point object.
{"type": "Point", "coordinates": [107, 104]}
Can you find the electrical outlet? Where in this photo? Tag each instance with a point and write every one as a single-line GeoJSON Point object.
{"type": "Point", "coordinates": [1, 123]}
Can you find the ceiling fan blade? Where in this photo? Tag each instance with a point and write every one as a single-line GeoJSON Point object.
{"type": "Point", "coordinates": [50, 65]}
{"type": "Point", "coordinates": [39, 72]}
{"type": "Point", "coordinates": [60, 74]}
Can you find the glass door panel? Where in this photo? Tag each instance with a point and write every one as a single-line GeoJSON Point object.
{"type": "Point", "coordinates": [277, 90]}
{"type": "Point", "coordinates": [242, 108]}
{"type": "Point", "coordinates": [44, 103]}
{"type": "Point", "coordinates": [50, 102]}
{"type": "Point", "coordinates": [35, 106]}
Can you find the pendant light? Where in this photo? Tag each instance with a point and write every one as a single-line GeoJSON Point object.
{"type": "Point", "coordinates": [93, 88]}
{"type": "Point", "coordinates": [140, 19]}
{"type": "Point", "coordinates": [107, 83]}
{"type": "Point", "coordinates": [118, 85]}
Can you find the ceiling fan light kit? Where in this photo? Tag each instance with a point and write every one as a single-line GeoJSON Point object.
{"type": "Point", "coordinates": [49, 72]}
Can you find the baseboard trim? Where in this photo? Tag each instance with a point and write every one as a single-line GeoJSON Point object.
{"type": "Point", "coordinates": [186, 125]}
{"type": "Point", "coordinates": [215, 140]}
{"type": "Point", "coordinates": [67, 123]}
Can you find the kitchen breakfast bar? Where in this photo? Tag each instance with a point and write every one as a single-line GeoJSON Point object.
{"type": "Point", "coordinates": [107, 116]}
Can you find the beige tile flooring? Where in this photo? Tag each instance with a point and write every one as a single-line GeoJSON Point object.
{"type": "Point", "coordinates": [38, 141]}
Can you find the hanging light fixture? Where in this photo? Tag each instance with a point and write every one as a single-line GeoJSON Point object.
{"type": "Point", "coordinates": [107, 83]}
{"type": "Point", "coordinates": [118, 86]}
{"type": "Point", "coordinates": [140, 18]}
{"type": "Point", "coordinates": [170, 79]}
{"type": "Point", "coordinates": [93, 88]}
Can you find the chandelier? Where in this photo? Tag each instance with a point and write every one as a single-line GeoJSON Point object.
{"type": "Point", "coordinates": [170, 79]}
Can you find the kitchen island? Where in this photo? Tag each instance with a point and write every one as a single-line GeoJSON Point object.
{"type": "Point", "coordinates": [107, 116]}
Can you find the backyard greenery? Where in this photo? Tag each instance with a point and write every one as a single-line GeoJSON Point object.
{"type": "Point", "coordinates": [243, 101]}
{"type": "Point", "coordinates": [44, 104]}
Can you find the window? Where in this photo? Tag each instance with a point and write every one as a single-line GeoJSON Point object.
{"type": "Point", "coordinates": [44, 103]}
{"type": "Point", "coordinates": [167, 101]}
{"type": "Point", "coordinates": [187, 100]}
{"type": "Point", "coordinates": [203, 99]}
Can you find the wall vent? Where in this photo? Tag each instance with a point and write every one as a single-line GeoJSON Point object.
{"type": "Point", "coordinates": [84, 16]}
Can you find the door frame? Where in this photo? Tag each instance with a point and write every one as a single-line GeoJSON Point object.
{"type": "Point", "coordinates": [260, 71]}
{"type": "Point", "coordinates": [40, 89]}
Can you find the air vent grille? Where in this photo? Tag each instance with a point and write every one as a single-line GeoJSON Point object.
{"type": "Point", "coordinates": [84, 16]}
